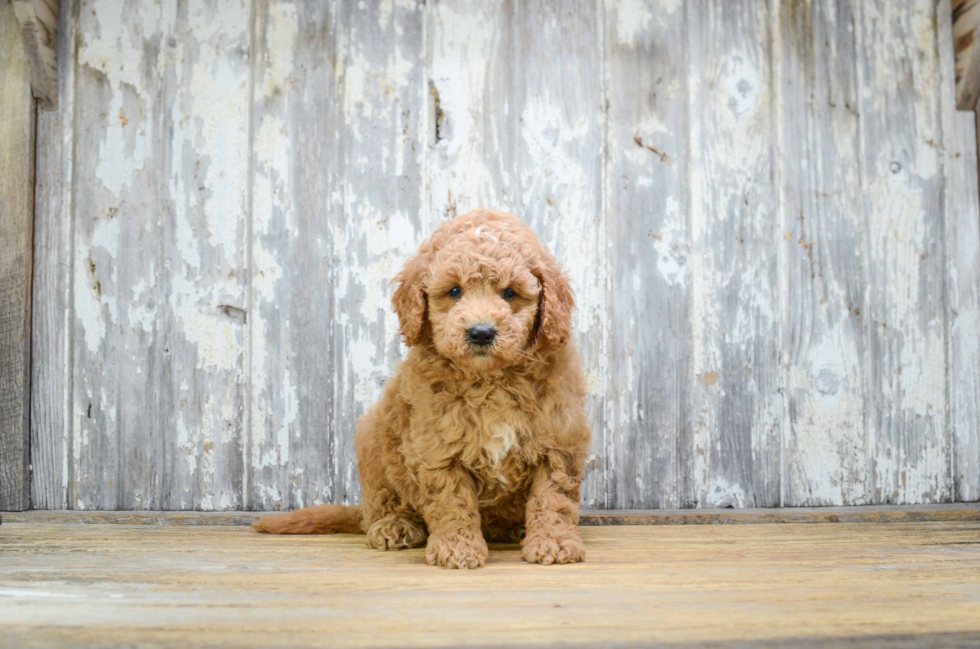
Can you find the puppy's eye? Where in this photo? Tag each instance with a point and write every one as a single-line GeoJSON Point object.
{"type": "Point", "coordinates": [455, 292]}
{"type": "Point", "coordinates": [509, 294]}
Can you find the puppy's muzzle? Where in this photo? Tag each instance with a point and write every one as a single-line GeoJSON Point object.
{"type": "Point", "coordinates": [481, 335]}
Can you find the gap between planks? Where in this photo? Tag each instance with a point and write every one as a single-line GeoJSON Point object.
{"type": "Point", "coordinates": [957, 512]}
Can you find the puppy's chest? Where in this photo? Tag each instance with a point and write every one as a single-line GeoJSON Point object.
{"type": "Point", "coordinates": [500, 441]}
{"type": "Point", "coordinates": [501, 447]}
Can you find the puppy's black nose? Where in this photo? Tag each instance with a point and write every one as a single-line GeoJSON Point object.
{"type": "Point", "coordinates": [481, 335]}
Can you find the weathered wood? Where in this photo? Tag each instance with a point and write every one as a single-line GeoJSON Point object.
{"type": "Point", "coordinates": [783, 515]}
{"type": "Point", "coordinates": [961, 206]}
{"type": "Point", "coordinates": [52, 328]}
{"type": "Point", "coordinates": [340, 99]}
{"type": "Point", "coordinates": [966, 32]}
{"type": "Point", "coordinates": [963, 264]}
{"type": "Point", "coordinates": [736, 403]}
{"type": "Point", "coordinates": [159, 263]}
{"type": "Point", "coordinates": [717, 178]}
{"type": "Point", "coordinates": [903, 584]}
{"type": "Point", "coordinates": [590, 517]}
{"type": "Point", "coordinates": [16, 252]}
{"type": "Point", "coordinates": [901, 166]}
{"type": "Point", "coordinates": [39, 34]}
{"type": "Point", "coordinates": [823, 246]}
{"type": "Point", "coordinates": [649, 451]}
{"type": "Point", "coordinates": [517, 112]}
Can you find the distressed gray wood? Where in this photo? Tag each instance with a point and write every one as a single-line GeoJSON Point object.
{"type": "Point", "coordinates": [219, 230]}
{"type": "Point", "coordinates": [736, 404]}
{"type": "Point", "coordinates": [53, 236]}
{"type": "Point", "coordinates": [649, 449]}
{"type": "Point", "coordinates": [824, 248]}
{"type": "Point", "coordinates": [963, 268]}
{"type": "Point", "coordinates": [948, 512]}
{"type": "Point", "coordinates": [962, 251]}
{"type": "Point", "coordinates": [901, 147]}
{"type": "Point", "coordinates": [517, 111]}
{"type": "Point", "coordinates": [340, 98]}
{"type": "Point", "coordinates": [16, 248]}
{"type": "Point", "coordinates": [159, 264]}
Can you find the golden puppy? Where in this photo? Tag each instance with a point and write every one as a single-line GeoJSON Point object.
{"type": "Point", "coordinates": [482, 433]}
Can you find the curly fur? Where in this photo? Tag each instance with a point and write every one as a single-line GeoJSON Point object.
{"type": "Point", "coordinates": [468, 444]}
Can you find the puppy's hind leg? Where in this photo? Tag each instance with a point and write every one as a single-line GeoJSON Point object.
{"type": "Point", "coordinates": [389, 524]}
{"type": "Point", "coordinates": [397, 531]}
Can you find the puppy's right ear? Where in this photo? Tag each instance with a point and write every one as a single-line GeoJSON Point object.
{"type": "Point", "coordinates": [410, 301]}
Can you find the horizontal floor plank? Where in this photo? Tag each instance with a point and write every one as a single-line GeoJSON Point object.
{"type": "Point", "coordinates": [590, 518]}
{"type": "Point", "coordinates": [903, 584]}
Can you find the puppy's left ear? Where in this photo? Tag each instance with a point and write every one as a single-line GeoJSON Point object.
{"type": "Point", "coordinates": [410, 301]}
{"type": "Point", "coordinates": [555, 304]}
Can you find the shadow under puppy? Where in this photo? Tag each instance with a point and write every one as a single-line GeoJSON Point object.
{"type": "Point", "coordinates": [481, 435]}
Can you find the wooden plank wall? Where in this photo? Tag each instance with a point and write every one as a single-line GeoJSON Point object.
{"type": "Point", "coordinates": [769, 211]}
{"type": "Point", "coordinates": [16, 206]}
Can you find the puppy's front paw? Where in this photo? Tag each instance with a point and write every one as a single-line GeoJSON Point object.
{"type": "Point", "coordinates": [551, 546]}
{"type": "Point", "coordinates": [395, 532]}
{"type": "Point", "coordinates": [456, 550]}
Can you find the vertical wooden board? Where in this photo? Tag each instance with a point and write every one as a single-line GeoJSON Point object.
{"type": "Point", "coordinates": [471, 135]}
{"type": "Point", "coordinates": [16, 227]}
{"type": "Point", "coordinates": [159, 297]}
{"type": "Point", "coordinates": [384, 107]}
{"type": "Point", "coordinates": [736, 403]}
{"type": "Point", "coordinates": [293, 88]}
{"type": "Point", "coordinates": [340, 99]}
{"type": "Point", "coordinates": [646, 203]}
{"type": "Point", "coordinates": [556, 91]}
{"type": "Point", "coordinates": [963, 281]}
{"type": "Point", "coordinates": [50, 339]}
{"type": "Point", "coordinates": [962, 229]}
{"type": "Point", "coordinates": [901, 133]}
{"type": "Point", "coordinates": [517, 124]}
{"type": "Point", "coordinates": [824, 247]}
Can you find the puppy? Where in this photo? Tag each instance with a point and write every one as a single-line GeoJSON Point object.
{"type": "Point", "coordinates": [481, 435]}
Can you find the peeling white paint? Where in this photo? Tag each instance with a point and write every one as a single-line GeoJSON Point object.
{"type": "Point", "coordinates": [633, 18]}
{"type": "Point", "coordinates": [274, 399]}
{"type": "Point", "coordinates": [721, 493]}
{"type": "Point", "coordinates": [542, 147]}
{"type": "Point", "coordinates": [673, 247]}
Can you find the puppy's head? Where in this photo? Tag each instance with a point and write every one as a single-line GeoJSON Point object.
{"type": "Point", "coordinates": [484, 293]}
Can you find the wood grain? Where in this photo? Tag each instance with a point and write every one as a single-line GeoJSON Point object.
{"type": "Point", "coordinates": [51, 374]}
{"type": "Point", "coordinates": [16, 254]}
{"type": "Point", "coordinates": [159, 262]}
{"type": "Point", "coordinates": [823, 246]}
{"type": "Point", "coordinates": [963, 277]}
{"type": "Point", "coordinates": [961, 200]}
{"type": "Point", "coordinates": [736, 402]}
{"type": "Point", "coordinates": [589, 517]}
{"type": "Point", "coordinates": [901, 136]}
{"type": "Point", "coordinates": [39, 35]}
{"type": "Point", "coordinates": [764, 208]}
{"type": "Point", "coordinates": [340, 101]}
{"type": "Point", "coordinates": [649, 447]}
{"type": "Point", "coordinates": [83, 585]}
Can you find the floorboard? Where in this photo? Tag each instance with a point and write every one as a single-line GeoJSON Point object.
{"type": "Point", "coordinates": [901, 584]}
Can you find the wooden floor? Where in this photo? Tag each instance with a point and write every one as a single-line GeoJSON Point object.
{"type": "Point", "coordinates": [897, 584]}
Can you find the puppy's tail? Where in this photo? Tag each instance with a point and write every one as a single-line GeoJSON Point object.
{"type": "Point", "coordinates": [321, 519]}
